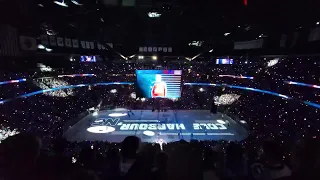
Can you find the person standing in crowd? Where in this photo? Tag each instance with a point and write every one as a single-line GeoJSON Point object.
{"type": "Point", "coordinates": [129, 148]}
{"type": "Point", "coordinates": [306, 159]}
{"type": "Point", "coordinates": [235, 163]}
{"type": "Point", "coordinates": [18, 157]}
{"type": "Point", "coordinates": [273, 167]}
{"type": "Point", "coordinates": [160, 170]}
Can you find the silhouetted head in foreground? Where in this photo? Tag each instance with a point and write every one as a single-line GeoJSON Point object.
{"type": "Point", "coordinates": [129, 147]}
{"type": "Point", "coordinates": [19, 154]}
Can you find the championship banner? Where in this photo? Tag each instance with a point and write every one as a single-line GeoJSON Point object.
{"type": "Point", "coordinates": [283, 40]}
{"type": "Point", "coordinates": [87, 45]}
{"type": "Point", "coordinates": [99, 46]}
{"type": "Point", "coordinates": [28, 43]}
{"type": "Point", "coordinates": [68, 42]}
{"type": "Point", "coordinates": [155, 49]}
{"type": "Point", "coordinates": [9, 41]}
{"type": "Point", "coordinates": [111, 2]}
{"type": "Point", "coordinates": [255, 44]}
{"type": "Point", "coordinates": [92, 45]}
{"type": "Point", "coordinates": [165, 49]}
{"type": "Point", "coordinates": [60, 41]}
{"type": "Point", "coordinates": [314, 34]}
{"type": "Point", "coordinates": [295, 39]}
{"type": "Point", "coordinates": [44, 40]}
{"type": "Point", "coordinates": [75, 43]}
{"type": "Point", "coordinates": [52, 40]}
{"type": "Point", "coordinates": [83, 44]}
{"type": "Point", "coordinates": [110, 45]}
{"type": "Point", "coordinates": [130, 3]}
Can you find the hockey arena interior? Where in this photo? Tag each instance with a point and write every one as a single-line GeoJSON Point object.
{"type": "Point", "coordinates": [159, 90]}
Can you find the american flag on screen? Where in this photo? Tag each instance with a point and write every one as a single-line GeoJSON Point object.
{"type": "Point", "coordinates": [9, 41]}
{"type": "Point", "coordinates": [177, 72]}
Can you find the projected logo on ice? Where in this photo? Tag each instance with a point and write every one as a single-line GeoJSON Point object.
{"type": "Point", "coordinates": [107, 125]}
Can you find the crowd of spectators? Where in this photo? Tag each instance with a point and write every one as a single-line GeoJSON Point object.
{"type": "Point", "coordinates": [289, 127]}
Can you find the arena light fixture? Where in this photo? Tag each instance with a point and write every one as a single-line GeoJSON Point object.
{"type": "Point", "coordinates": [133, 95]}
{"type": "Point", "coordinates": [154, 58]}
{"type": "Point", "coordinates": [76, 3]}
{"type": "Point", "coordinates": [154, 14]}
{"type": "Point", "coordinates": [120, 109]}
{"type": "Point", "coordinates": [143, 99]}
{"type": "Point", "coordinates": [243, 122]}
{"type": "Point", "coordinates": [140, 57]}
{"type": "Point", "coordinates": [40, 46]}
{"type": "Point", "coordinates": [148, 133]}
{"type": "Point", "coordinates": [117, 114]}
{"type": "Point", "coordinates": [221, 121]}
{"type": "Point", "coordinates": [273, 62]}
{"type": "Point", "coordinates": [113, 91]}
{"type": "Point", "coordinates": [196, 43]}
{"type": "Point", "coordinates": [95, 113]}
{"type": "Point", "coordinates": [48, 49]}
{"type": "Point", "coordinates": [63, 4]}
{"type": "Point", "coordinates": [101, 129]}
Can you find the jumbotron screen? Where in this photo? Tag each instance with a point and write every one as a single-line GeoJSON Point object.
{"type": "Point", "coordinates": [88, 59]}
{"type": "Point", "coordinates": [159, 83]}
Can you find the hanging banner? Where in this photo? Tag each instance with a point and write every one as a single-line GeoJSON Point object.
{"type": "Point", "coordinates": [28, 43]}
{"type": "Point", "coordinates": [52, 40]}
{"type": "Point", "coordinates": [99, 46]}
{"type": "Point", "coordinates": [295, 39]}
{"type": "Point", "coordinates": [155, 49]}
{"type": "Point", "coordinates": [255, 44]}
{"type": "Point", "coordinates": [44, 40]}
{"type": "Point", "coordinates": [75, 43]}
{"type": "Point", "coordinates": [87, 45]}
{"type": "Point", "coordinates": [92, 45]}
{"type": "Point", "coordinates": [283, 40]}
{"type": "Point", "coordinates": [9, 41]}
{"type": "Point", "coordinates": [83, 44]}
{"type": "Point", "coordinates": [60, 41]}
{"type": "Point", "coordinates": [314, 34]}
{"type": "Point", "coordinates": [110, 45]}
{"type": "Point", "coordinates": [165, 49]}
{"type": "Point", "coordinates": [68, 42]}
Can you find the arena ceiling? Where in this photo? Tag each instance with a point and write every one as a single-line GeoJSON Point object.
{"type": "Point", "coordinates": [211, 22]}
